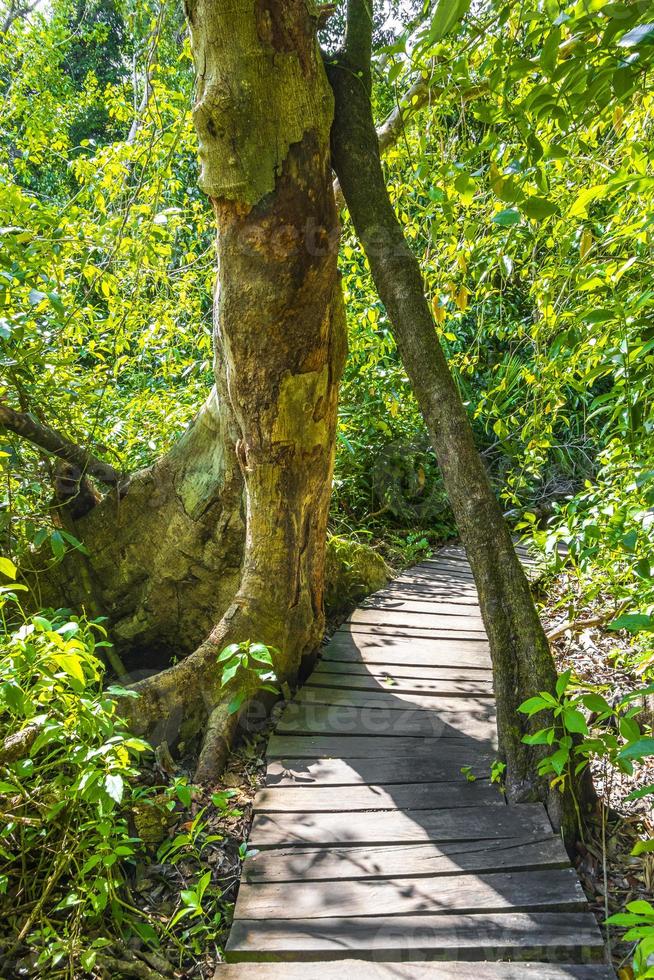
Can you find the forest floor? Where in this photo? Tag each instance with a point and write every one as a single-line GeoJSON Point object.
{"type": "Point", "coordinates": [212, 829]}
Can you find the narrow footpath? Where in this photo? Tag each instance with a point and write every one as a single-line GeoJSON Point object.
{"type": "Point", "coordinates": [381, 845]}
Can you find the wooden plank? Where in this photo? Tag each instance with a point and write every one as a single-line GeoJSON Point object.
{"type": "Point", "coordinates": [400, 796]}
{"type": "Point", "coordinates": [377, 747]}
{"type": "Point", "coordinates": [411, 860]}
{"type": "Point", "coordinates": [552, 890]}
{"type": "Point", "coordinates": [454, 573]}
{"type": "Point", "coordinates": [391, 650]}
{"type": "Point", "coordinates": [393, 700]}
{"type": "Point", "coordinates": [398, 827]}
{"type": "Point", "coordinates": [362, 970]}
{"type": "Point", "coordinates": [369, 635]}
{"type": "Point", "coordinates": [386, 770]}
{"type": "Point", "coordinates": [419, 603]}
{"type": "Point", "coordinates": [432, 591]}
{"type": "Point", "coordinates": [348, 720]}
{"type": "Point", "coordinates": [418, 632]}
{"type": "Point", "coordinates": [443, 687]}
{"type": "Point", "coordinates": [402, 671]}
{"type": "Point", "coordinates": [494, 936]}
{"type": "Point", "coordinates": [433, 620]}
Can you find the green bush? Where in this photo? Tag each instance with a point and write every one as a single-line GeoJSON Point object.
{"type": "Point", "coordinates": [66, 765]}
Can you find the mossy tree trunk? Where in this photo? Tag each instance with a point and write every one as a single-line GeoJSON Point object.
{"type": "Point", "coordinates": [223, 540]}
{"type": "Point", "coordinates": [522, 661]}
{"type": "Point", "coordinates": [263, 114]}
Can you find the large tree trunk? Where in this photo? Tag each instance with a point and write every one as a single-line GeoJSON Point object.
{"type": "Point", "coordinates": [522, 662]}
{"type": "Point", "coordinates": [164, 550]}
{"type": "Point", "coordinates": [223, 540]}
{"type": "Point", "coordinates": [263, 116]}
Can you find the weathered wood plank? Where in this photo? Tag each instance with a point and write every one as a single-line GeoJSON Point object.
{"type": "Point", "coordinates": [392, 650]}
{"type": "Point", "coordinates": [433, 620]}
{"type": "Point", "coordinates": [378, 747]}
{"type": "Point", "coordinates": [445, 686]}
{"type": "Point", "coordinates": [411, 860]}
{"type": "Point", "coordinates": [362, 970]}
{"type": "Point", "coordinates": [553, 890]}
{"type": "Point", "coordinates": [419, 632]}
{"type": "Point", "coordinates": [434, 591]}
{"type": "Point", "coordinates": [390, 698]}
{"type": "Point", "coordinates": [399, 796]}
{"type": "Point", "coordinates": [305, 718]}
{"type": "Point", "coordinates": [454, 573]}
{"type": "Point", "coordinates": [399, 671]}
{"type": "Point", "coordinates": [539, 935]}
{"type": "Point", "coordinates": [418, 603]}
{"type": "Point", "coordinates": [398, 827]}
{"type": "Point", "coordinates": [386, 770]}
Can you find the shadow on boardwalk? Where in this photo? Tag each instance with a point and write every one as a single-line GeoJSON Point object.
{"type": "Point", "coordinates": [378, 834]}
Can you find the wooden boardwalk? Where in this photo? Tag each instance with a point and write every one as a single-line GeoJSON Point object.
{"type": "Point", "coordinates": [375, 854]}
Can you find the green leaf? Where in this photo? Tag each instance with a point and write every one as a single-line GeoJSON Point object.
{"type": "Point", "coordinates": [639, 749]}
{"type": "Point", "coordinates": [575, 721]}
{"type": "Point", "coordinates": [114, 786]}
{"type": "Point", "coordinates": [506, 218]}
{"type": "Point", "coordinates": [229, 673]}
{"type": "Point", "coordinates": [562, 682]}
{"type": "Point", "coordinates": [643, 34]}
{"type": "Point", "coordinates": [559, 760]}
{"type": "Point", "coordinates": [532, 705]}
{"type": "Point", "coordinates": [236, 703]}
{"type": "Point", "coordinates": [7, 568]}
{"type": "Point", "coordinates": [595, 702]}
{"type": "Point", "coordinates": [446, 15]}
{"type": "Point", "coordinates": [640, 907]}
{"type": "Point", "coordinates": [71, 665]}
{"type": "Point", "coordinates": [57, 544]}
{"type": "Point", "coordinates": [229, 652]}
{"type": "Point", "coordinates": [633, 622]}
{"type": "Point", "coordinates": [639, 794]}
{"type": "Point", "coordinates": [261, 653]}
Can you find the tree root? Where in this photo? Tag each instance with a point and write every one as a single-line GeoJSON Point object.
{"type": "Point", "coordinates": [217, 742]}
{"type": "Point", "coordinates": [187, 699]}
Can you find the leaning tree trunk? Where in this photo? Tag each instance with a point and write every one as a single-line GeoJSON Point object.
{"type": "Point", "coordinates": [522, 661]}
{"type": "Point", "coordinates": [263, 116]}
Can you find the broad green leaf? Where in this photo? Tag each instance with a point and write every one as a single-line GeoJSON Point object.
{"type": "Point", "coordinates": [633, 622]}
{"type": "Point", "coordinates": [506, 218]}
{"type": "Point", "coordinates": [643, 34]}
{"type": "Point", "coordinates": [640, 749]}
{"type": "Point", "coordinates": [114, 786]}
{"type": "Point", "coordinates": [8, 568]}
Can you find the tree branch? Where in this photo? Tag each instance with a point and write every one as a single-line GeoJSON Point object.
{"type": "Point", "coordinates": [16, 12]}
{"type": "Point", "coordinates": [26, 426]}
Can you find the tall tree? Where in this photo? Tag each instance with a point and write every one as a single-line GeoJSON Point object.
{"type": "Point", "coordinates": [522, 661]}
{"type": "Point", "coordinates": [226, 534]}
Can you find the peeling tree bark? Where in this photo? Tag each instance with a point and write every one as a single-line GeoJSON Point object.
{"type": "Point", "coordinates": [522, 662]}
{"type": "Point", "coordinates": [263, 117]}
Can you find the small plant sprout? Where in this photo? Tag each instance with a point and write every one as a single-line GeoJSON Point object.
{"type": "Point", "coordinates": [250, 667]}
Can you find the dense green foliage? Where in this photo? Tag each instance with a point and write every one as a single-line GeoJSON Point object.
{"type": "Point", "coordinates": [81, 816]}
{"type": "Point", "coordinates": [524, 180]}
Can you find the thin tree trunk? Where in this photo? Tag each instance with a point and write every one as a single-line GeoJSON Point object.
{"type": "Point", "coordinates": [522, 662]}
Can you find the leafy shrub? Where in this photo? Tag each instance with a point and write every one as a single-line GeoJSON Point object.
{"type": "Point", "coordinates": [66, 766]}
{"type": "Point", "coordinates": [352, 570]}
